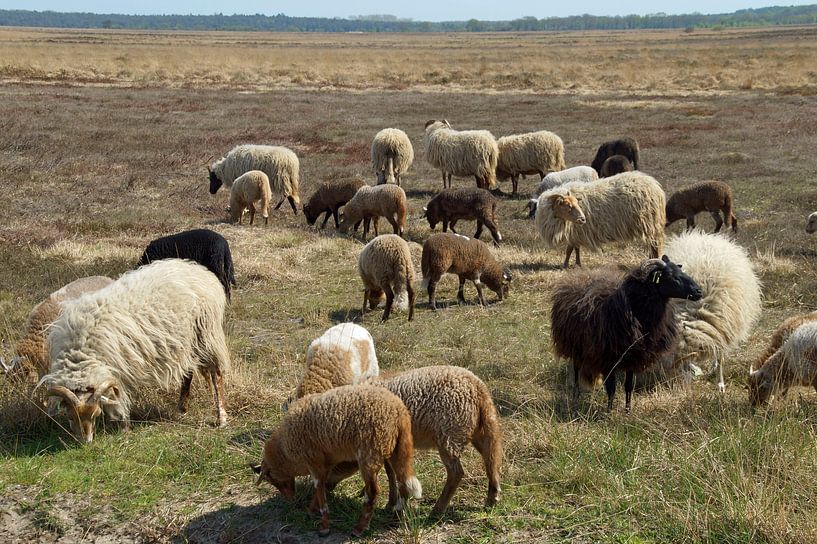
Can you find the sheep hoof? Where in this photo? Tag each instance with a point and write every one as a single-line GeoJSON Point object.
{"type": "Point", "coordinates": [325, 532]}
{"type": "Point", "coordinates": [722, 387]}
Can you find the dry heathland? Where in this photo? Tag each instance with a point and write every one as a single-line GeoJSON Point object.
{"type": "Point", "coordinates": [104, 138]}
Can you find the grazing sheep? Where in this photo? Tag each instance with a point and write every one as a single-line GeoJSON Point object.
{"type": "Point", "coordinates": [246, 190]}
{"type": "Point", "coordinates": [712, 196]}
{"type": "Point", "coordinates": [392, 155]}
{"type": "Point", "coordinates": [328, 199]}
{"type": "Point", "coordinates": [462, 153]}
{"type": "Point", "coordinates": [278, 163]}
{"type": "Point", "coordinates": [627, 147]}
{"type": "Point", "coordinates": [385, 266]}
{"type": "Point", "coordinates": [206, 247]}
{"type": "Point", "coordinates": [363, 424]}
{"type": "Point", "coordinates": [604, 323]}
{"type": "Point", "coordinates": [369, 203]}
{"type": "Point", "coordinates": [712, 327]}
{"type": "Point", "coordinates": [148, 330]}
{"type": "Point", "coordinates": [467, 258]}
{"type": "Point", "coordinates": [530, 153]}
{"type": "Point", "coordinates": [615, 165]}
{"type": "Point", "coordinates": [554, 179]}
{"type": "Point", "coordinates": [451, 205]}
{"type": "Point", "coordinates": [793, 361]}
{"type": "Point", "coordinates": [627, 206]}
{"type": "Point", "coordinates": [811, 224]}
{"type": "Point", "coordinates": [32, 350]}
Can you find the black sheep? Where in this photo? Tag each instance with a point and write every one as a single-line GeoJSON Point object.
{"type": "Point", "coordinates": [615, 164]}
{"type": "Point", "coordinates": [604, 323]}
{"type": "Point", "coordinates": [624, 146]}
{"type": "Point", "coordinates": [206, 247]}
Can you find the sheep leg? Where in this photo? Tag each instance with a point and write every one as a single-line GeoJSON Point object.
{"type": "Point", "coordinates": [279, 203]}
{"type": "Point", "coordinates": [365, 301]}
{"type": "Point", "coordinates": [461, 291]}
{"type": "Point", "coordinates": [334, 216]}
{"type": "Point", "coordinates": [376, 220]}
{"type": "Point", "coordinates": [716, 215]}
{"type": "Point", "coordinates": [319, 501]}
{"type": "Point", "coordinates": [252, 213]}
{"type": "Point", "coordinates": [490, 448]}
{"type": "Point", "coordinates": [292, 205]}
{"type": "Point", "coordinates": [218, 395]}
{"type": "Point", "coordinates": [326, 219]}
{"type": "Point", "coordinates": [444, 185]}
{"type": "Point", "coordinates": [578, 258]}
{"type": "Point", "coordinates": [494, 232]}
{"type": "Point", "coordinates": [576, 391]}
{"type": "Point", "coordinates": [690, 222]}
{"type": "Point", "coordinates": [389, 301]}
{"type": "Point", "coordinates": [480, 296]}
{"type": "Point", "coordinates": [366, 223]}
{"type": "Point", "coordinates": [452, 225]}
{"type": "Point", "coordinates": [566, 264]}
{"type": "Point", "coordinates": [411, 299]}
{"type": "Point", "coordinates": [432, 287]}
{"type": "Point", "coordinates": [445, 225]}
{"type": "Point", "coordinates": [454, 474]}
{"type": "Point", "coordinates": [629, 383]}
{"type": "Point", "coordinates": [370, 491]}
{"type": "Point", "coordinates": [478, 233]}
{"type": "Point", "coordinates": [184, 394]}
{"type": "Point", "coordinates": [515, 181]}
{"type": "Point", "coordinates": [610, 387]}
{"type": "Point", "coordinates": [394, 487]}
{"type": "Point", "coordinates": [394, 224]}
{"type": "Point", "coordinates": [721, 383]}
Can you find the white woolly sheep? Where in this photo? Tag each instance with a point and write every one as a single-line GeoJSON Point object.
{"type": "Point", "coordinates": [530, 153]}
{"type": "Point", "coordinates": [790, 359]}
{"type": "Point", "coordinates": [280, 164]}
{"type": "Point", "coordinates": [462, 153]}
{"type": "Point", "coordinates": [711, 328]}
{"type": "Point", "coordinates": [362, 424]}
{"type": "Point", "coordinates": [248, 188]}
{"type": "Point", "coordinates": [554, 179]}
{"type": "Point", "coordinates": [149, 329]}
{"type": "Point", "coordinates": [32, 359]}
{"type": "Point", "coordinates": [372, 203]}
{"type": "Point", "coordinates": [392, 155]}
{"type": "Point", "coordinates": [811, 223]}
{"type": "Point", "coordinates": [385, 266]}
{"type": "Point", "coordinates": [624, 207]}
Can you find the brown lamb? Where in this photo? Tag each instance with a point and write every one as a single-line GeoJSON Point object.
{"type": "Point", "coordinates": [370, 204]}
{"type": "Point", "coordinates": [615, 165]}
{"type": "Point", "coordinates": [329, 197]}
{"type": "Point", "coordinates": [711, 196]}
{"type": "Point", "coordinates": [469, 203]}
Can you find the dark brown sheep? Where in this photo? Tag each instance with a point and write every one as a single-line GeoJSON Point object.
{"type": "Point", "coordinates": [467, 203]}
{"type": "Point", "coordinates": [711, 196]}
{"type": "Point", "coordinates": [329, 197]}
{"type": "Point", "coordinates": [624, 146]}
{"type": "Point", "coordinates": [615, 165]}
{"type": "Point", "coordinates": [605, 323]}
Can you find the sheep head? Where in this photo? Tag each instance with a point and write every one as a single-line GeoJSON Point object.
{"type": "Point", "coordinates": [669, 280]}
{"type": "Point", "coordinates": [273, 467]}
{"type": "Point", "coordinates": [83, 408]}
{"type": "Point", "coordinates": [432, 123]}
{"type": "Point", "coordinates": [566, 207]}
{"type": "Point", "coordinates": [531, 206]}
{"type": "Point", "coordinates": [431, 213]}
{"type": "Point", "coordinates": [811, 225]}
{"type": "Point", "coordinates": [215, 183]}
{"type": "Point", "coordinates": [760, 388]}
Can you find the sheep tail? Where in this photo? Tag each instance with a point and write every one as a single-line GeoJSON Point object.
{"type": "Point", "coordinates": [390, 170]}
{"type": "Point", "coordinates": [425, 266]}
{"type": "Point", "coordinates": [728, 214]}
{"type": "Point", "coordinates": [229, 269]}
{"type": "Point", "coordinates": [487, 439]}
{"type": "Point", "coordinates": [402, 463]}
{"type": "Point", "coordinates": [491, 179]}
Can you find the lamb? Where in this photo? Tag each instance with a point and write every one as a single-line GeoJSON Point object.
{"type": "Point", "coordinates": [280, 164]}
{"type": "Point", "coordinates": [811, 224]}
{"type": "Point", "coordinates": [554, 179]}
{"type": "Point", "coordinates": [626, 146]}
{"type": "Point", "coordinates": [604, 323]}
{"type": "Point", "coordinates": [451, 205]}
{"type": "Point", "coordinates": [712, 327]}
{"type": "Point", "coordinates": [624, 207]}
{"type": "Point", "coordinates": [206, 247]}
{"type": "Point", "coordinates": [462, 153]}
{"type": "Point", "coordinates": [32, 350]}
{"type": "Point", "coordinates": [246, 190]}
{"type": "Point", "coordinates": [467, 258]}
{"type": "Point", "coordinates": [369, 203]}
{"type": "Point", "coordinates": [363, 424]}
{"type": "Point", "coordinates": [530, 153]}
{"type": "Point", "coordinates": [615, 164]}
{"type": "Point", "coordinates": [712, 196]}
{"type": "Point", "coordinates": [151, 328]}
{"type": "Point", "coordinates": [392, 155]}
{"type": "Point", "coordinates": [790, 360]}
{"type": "Point", "coordinates": [385, 266]}
{"type": "Point", "coordinates": [328, 199]}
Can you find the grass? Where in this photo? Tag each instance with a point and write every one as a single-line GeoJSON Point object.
{"type": "Point", "coordinates": [96, 167]}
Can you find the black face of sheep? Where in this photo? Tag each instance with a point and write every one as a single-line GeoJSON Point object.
{"type": "Point", "coordinates": [672, 282]}
{"type": "Point", "coordinates": [215, 183]}
{"type": "Point", "coordinates": [310, 215]}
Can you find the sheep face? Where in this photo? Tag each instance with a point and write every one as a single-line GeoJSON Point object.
{"type": "Point", "coordinates": [311, 215]}
{"type": "Point", "coordinates": [670, 280]}
{"type": "Point", "coordinates": [566, 207]}
{"type": "Point", "coordinates": [432, 214]}
{"type": "Point", "coordinates": [215, 183]}
{"type": "Point", "coordinates": [272, 468]}
{"type": "Point", "coordinates": [811, 226]}
{"type": "Point", "coordinates": [760, 388]}
{"type": "Point", "coordinates": [82, 408]}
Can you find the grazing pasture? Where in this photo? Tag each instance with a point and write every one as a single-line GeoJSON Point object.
{"type": "Point", "coordinates": [105, 138]}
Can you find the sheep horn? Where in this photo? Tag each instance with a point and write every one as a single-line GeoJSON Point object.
{"type": "Point", "coordinates": [7, 367]}
{"type": "Point", "coordinates": [66, 394]}
{"type": "Point", "coordinates": [751, 369]}
{"type": "Point", "coordinates": [99, 393]}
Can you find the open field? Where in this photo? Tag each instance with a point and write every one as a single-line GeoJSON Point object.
{"type": "Point", "coordinates": [93, 167]}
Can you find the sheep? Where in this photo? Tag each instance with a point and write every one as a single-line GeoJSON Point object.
{"type": "Point", "coordinates": [280, 164]}
{"type": "Point", "coordinates": [530, 153]}
{"type": "Point", "coordinates": [620, 208]}
{"type": "Point", "coordinates": [615, 164]}
{"type": "Point", "coordinates": [363, 424]}
{"type": "Point", "coordinates": [554, 179]}
{"type": "Point", "coordinates": [626, 146]}
{"type": "Point", "coordinates": [150, 329]}
{"type": "Point", "coordinates": [206, 247]}
{"type": "Point", "coordinates": [451, 205]}
{"type": "Point", "coordinates": [328, 199]}
{"type": "Point", "coordinates": [385, 266]}
{"type": "Point", "coordinates": [467, 258]}
{"type": "Point", "coordinates": [712, 196]}
{"type": "Point", "coordinates": [715, 325]}
{"type": "Point", "coordinates": [392, 155]}
{"type": "Point", "coordinates": [792, 361]}
{"type": "Point", "coordinates": [811, 223]}
{"type": "Point", "coordinates": [32, 350]}
{"type": "Point", "coordinates": [602, 322]}
{"type": "Point", "coordinates": [369, 203]}
{"type": "Point", "coordinates": [247, 189]}
{"type": "Point", "coordinates": [461, 153]}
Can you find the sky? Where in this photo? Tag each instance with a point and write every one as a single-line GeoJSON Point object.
{"type": "Point", "coordinates": [422, 10]}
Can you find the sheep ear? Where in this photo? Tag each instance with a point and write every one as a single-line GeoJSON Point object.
{"type": "Point", "coordinates": [665, 258]}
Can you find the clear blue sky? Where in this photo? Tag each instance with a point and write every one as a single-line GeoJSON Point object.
{"type": "Point", "coordinates": [423, 10]}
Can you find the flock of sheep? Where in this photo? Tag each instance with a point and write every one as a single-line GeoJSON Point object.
{"type": "Point", "coordinates": [95, 343]}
